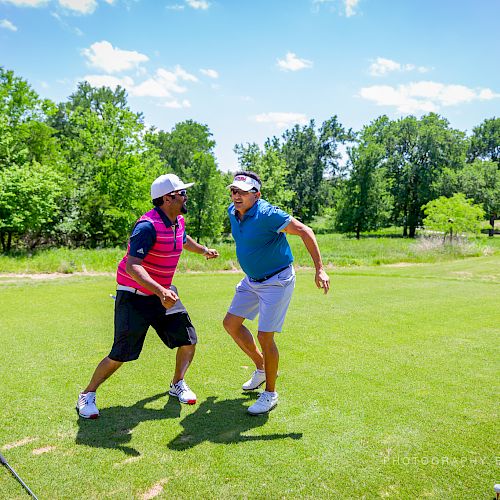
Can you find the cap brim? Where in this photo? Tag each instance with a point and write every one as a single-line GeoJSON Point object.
{"type": "Point", "coordinates": [184, 186]}
{"type": "Point", "coordinates": [241, 185]}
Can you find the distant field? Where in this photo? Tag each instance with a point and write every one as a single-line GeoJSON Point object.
{"type": "Point", "coordinates": [388, 386]}
{"type": "Point", "coordinates": [338, 250]}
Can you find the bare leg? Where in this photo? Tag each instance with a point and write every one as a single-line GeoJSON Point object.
{"type": "Point", "coordinates": [104, 370]}
{"type": "Point", "coordinates": [271, 358]}
{"type": "Point", "coordinates": [242, 336]}
{"type": "Point", "coordinates": [183, 359]}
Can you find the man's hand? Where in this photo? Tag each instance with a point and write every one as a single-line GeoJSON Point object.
{"type": "Point", "coordinates": [322, 280]}
{"type": "Point", "coordinates": [168, 298]}
{"type": "Point", "coordinates": [210, 253]}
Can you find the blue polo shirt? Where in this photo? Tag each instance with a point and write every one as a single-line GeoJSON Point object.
{"type": "Point", "coordinates": [261, 247]}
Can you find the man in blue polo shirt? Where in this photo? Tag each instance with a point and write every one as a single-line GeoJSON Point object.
{"type": "Point", "coordinates": [266, 258]}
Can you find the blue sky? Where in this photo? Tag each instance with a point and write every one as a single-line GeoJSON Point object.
{"type": "Point", "coordinates": [249, 69]}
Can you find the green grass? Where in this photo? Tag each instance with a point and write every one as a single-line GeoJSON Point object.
{"type": "Point", "coordinates": [388, 388]}
{"type": "Point", "coordinates": [338, 250]}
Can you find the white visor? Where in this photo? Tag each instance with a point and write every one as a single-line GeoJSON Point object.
{"type": "Point", "coordinates": [245, 183]}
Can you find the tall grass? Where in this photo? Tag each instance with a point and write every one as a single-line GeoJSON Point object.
{"type": "Point", "coordinates": [336, 249]}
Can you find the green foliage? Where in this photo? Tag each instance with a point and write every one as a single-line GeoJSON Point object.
{"type": "Point", "coordinates": [453, 216]}
{"type": "Point", "coordinates": [309, 156]}
{"type": "Point", "coordinates": [485, 141]}
{"type": "Point", "coordinates": [30, 197]}
{"type": "Point", "coordinates": [188, 152]}
{"type": "Point", "coordinates": [100, 160]}
{"type": "Point", "coordinates": [417, 152]}
{"type": "Point", "coordinates": [102, 142]}
{"type": "Point", "coordinates": [366, 202]}
{"type": "Point", "coordinates": [272, 169]}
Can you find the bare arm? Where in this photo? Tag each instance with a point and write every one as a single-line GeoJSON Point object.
{"type": "Point", "coordinates": [192, 246]}
{"type": "Point", "coordinates": [137, 271]}
{"type": "Point", "coordinates": [297, 228]}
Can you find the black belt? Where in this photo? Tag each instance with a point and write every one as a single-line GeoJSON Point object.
{"type": "Point", "coordinates": [261, 280]}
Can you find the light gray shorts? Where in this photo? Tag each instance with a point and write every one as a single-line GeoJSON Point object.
{"type": "Point", "coordinates": [269, 299]}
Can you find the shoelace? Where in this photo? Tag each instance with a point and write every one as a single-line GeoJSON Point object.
{"type": "Point", "coordinates": [264, 396]}
{"type": "Point", "coordinates": [181, 386]}
{"type": "Point", "coordinates": [90, 399]}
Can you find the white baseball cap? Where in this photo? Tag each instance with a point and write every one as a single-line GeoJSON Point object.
{"type": "Point", "coordinates": [245, 183]}
{"type": "Point", "coordinates": [165, 184]}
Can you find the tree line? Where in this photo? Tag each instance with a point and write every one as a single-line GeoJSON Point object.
{"type": "Point", "coordinates": [77, 173]}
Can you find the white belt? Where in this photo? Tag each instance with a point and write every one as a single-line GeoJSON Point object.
{"type": "Point", "coordinates": [131, 289]}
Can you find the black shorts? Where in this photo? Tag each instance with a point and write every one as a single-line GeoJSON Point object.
{"type": "Point", "coordinates": [134, 314]}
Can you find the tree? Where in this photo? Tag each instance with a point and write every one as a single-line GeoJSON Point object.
{"type": "Point", "coordinates": [366, 202]}
{"type": "Point", "coordinates": [31, 166]}
{"type": "Point", "coordinates": [207, 200]}
{"type": "Point", "coordinates": [480, 181]}
{"type": "Point", "coordinates": [187, 150]}
{"type": "Point", "coordinates": [109, 176]}
{"type": "Point", "coordinates": [271, 167]}
{"type": "Point", "coordinates": [310, 156]}
{"type": "Point", "coordinates": [29, 202]}
{"type": "Point", "coordinates": [453, 216]}
{"type": "Point", "coordinates": [485, 141]}
{"type": "Point", "coordinates": [417, 152]}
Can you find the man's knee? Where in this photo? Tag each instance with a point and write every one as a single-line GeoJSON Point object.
{"type": "Point", "coordinates": [231, 323]}
{"type": "Point", "coordinates": [266, 338]}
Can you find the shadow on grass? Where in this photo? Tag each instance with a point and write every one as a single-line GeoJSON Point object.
{"type": "Point", "coordinates": [114, 427]}
{"type": "Point", "coordinates": [222, 422]}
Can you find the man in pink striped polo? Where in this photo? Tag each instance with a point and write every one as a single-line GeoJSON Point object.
{"type": "Point", "coordinates": [145, 295]}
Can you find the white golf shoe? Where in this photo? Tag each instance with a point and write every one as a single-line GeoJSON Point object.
{"type": "Point", "coordinates": [265, 403]}
{"type": "Point", "coordinates": [258, 378]}
{"type": "Point", "coordinates": [85, 406]}
{"type": "Point", "coordinates": [182, 391]}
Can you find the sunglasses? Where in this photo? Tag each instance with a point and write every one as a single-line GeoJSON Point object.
{"type": "Point", "coordinates": [182, 192]}
{"type": "Point", "coordinates": [242, 193]}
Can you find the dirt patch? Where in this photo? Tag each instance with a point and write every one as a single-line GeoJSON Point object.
{"type": "Point", "coordinates": [45, 449]}
{"type": "Point", "coordinates": [154, 491]}
{"type": "Point", "coordinates": [22, 442]}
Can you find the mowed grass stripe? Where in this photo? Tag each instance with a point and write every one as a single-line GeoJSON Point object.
{"type": "Point", "coordinates": [388, 388]}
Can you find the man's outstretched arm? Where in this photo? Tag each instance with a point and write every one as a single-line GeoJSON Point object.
{"type": "Point", "coordinates": [297, 228]}
{"type": "Point", "coordinates": [192, 246]}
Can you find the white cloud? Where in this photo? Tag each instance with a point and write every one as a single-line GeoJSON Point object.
{"type": "Point", "coordinates": [198, 4]}
{"type": "Point", "coordinates": [381, 66]}
{"type": "Point", "coordinates": [423, 96]}
{"type": "Point", "coordinates": [104, 56]}
{"type": "Point", "coordinates": [281, 120]}
{"type": "Point", "coordinates": [109, 81]}
{"type": "Point", "coordinates": [350, 7]}
{"type": "Point", "coordinates": [111, 2]}
{"type": "Point", "coordinates": [80, 6]}
{"type": "Point", "coordinates": [175, 7]}
{"type": "Point", "coordinates": [27, 3]}
{"type": "Point", "coordinates": [293, 63]}
{"type": "Point", "coordinates": [6, 24]}
{"type": "Point", "coordinates": [210, 73]}
{"type": "Point", "coordinates": [184, 75]}
{"type": "Point", "coordinates": [175, 104]}
{"type": "Point", "coordinates": [163, 84]}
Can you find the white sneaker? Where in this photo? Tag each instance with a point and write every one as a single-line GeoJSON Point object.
{"type": "Point", "coordinates": [182, 391]}
{"type": "Point", "coordinates": [258, 378]}
{"type": "Point", "coordinates": [85, 406]}
{"type": "Point", "coordinates": [266, 402]}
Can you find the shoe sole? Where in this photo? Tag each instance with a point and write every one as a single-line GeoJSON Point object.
{"type": "Point", "coordinates": [188, 402]}
{"type": "Point", "coordinates": [262, 412]}
{"type": "Point", "coordinates": [256, 387]}
{"type": "Point", "coordinates": [90, 417]}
